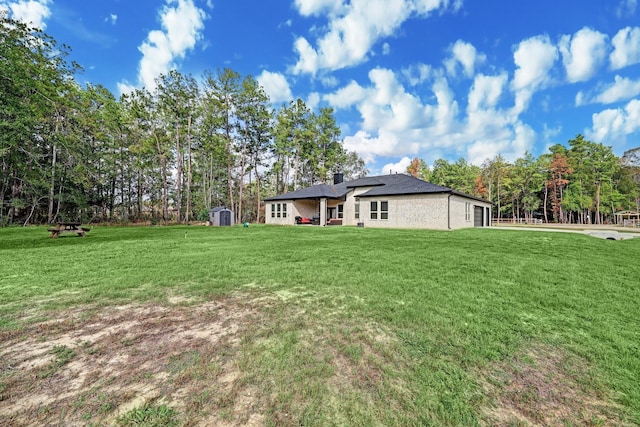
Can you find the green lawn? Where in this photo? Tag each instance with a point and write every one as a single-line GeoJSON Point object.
{"type": "Point", "coordinates": [341, 325]}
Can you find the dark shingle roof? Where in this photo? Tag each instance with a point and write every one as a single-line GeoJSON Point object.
{"type": "Point", "coordinates": [382, 185]}
{"type": "Point", "coordinates": [397, 184]}
{"type": "Point", "coordinates": [315, 192]}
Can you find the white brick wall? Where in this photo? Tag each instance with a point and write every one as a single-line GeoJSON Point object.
{"type": "Point", "coordinates": [406, 211]}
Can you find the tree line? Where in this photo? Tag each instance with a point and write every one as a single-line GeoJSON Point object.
{"type": "Point", "coordinates": [583, 183]}
{"type": "Point", "coordinates": [169, 154]}
{"type": "Point", "coordinates": [69, 152]}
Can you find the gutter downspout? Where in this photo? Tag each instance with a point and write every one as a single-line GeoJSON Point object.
{"type": "Point", "coordinates": [449, 211]}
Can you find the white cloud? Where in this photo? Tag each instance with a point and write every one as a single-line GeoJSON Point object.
{"type": "Point", "coordinates": [583, 54]}
{"type": "Point", "coordinates": [112, 18]}
{"type": "Point", "coordinates": [626, 8]}
{"type": "Point", "coordinates": [368, 146]}
{"type": "Point", "coordinates": [626, 48]}
{"type": "Point", "coordinates": [466, 55]}
{"type": "Point", "coordinates": [399, 106]}
{"type": "Point", "coordinates": [353, 28]}
{"type": "Point", "coordinates": [399, 167]}
{"type": "Point", "coordinates": [182, 25]}
{"type": "Point", "coordinates": [347, 96]}
{"type": "Point", "coordinates": [612, 126]}
{"type": "Point", "coordinates": [398, 123]}
{"type": "Point", "coordinates": [32, 12]}
{"type": "Point", "coordinates": [329, 81]}
{"type": "Point", "coordinates": [276, 86]}
{"type": "Point", "coordinates": [125, 88]}
{"type": "Point", "coordinates": [313, 100]}
{"type": "Point", "coordinates": [621, 89]}
{"type": "Point", "coordinates": [317, 7]}
{"type": "Point", "coordinates": [515, 143]}
{"type": "Point", "coordinates": [417, 74]}
{"type": "Point", "coordinates": [534, 59]}
{"type": "Point", "coordinates": [486, 91]}
{"type": "Point", "coordinates": [386, 49]}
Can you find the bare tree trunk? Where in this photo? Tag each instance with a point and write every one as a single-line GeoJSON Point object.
{"type": "Point", "coordinates": [598, 221]}
{"type": "Point", "coordinates": [53, 183]}
{"type": "Point", "coordinates": [123, 205]}
{"type": "Point", "coordinates": [179, 168]}
{"type": "Point", "coordinates": [165, 190]}
{"type": "Point", "coordinates": [229, 171]}
{"type": "Point", "coordinates": [189, 174]}
{"type": "Point", "coordinates": [295, 170]}
{"type": "Point", "coordinates": [34, 203]}
{"type": "Point", "coordinates": [546, 193]}
{"type": "Point", "coordinates": [139, 191]}
{"type": "Point", "coordinates": [243, 166]}
{"type": "Point", "coordinates": [258, 195]}
{"type": "Point", "coordinates": [498, 196]}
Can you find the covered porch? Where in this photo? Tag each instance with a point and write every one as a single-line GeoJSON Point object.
{"type": "Point", "coordinates": [321, 211]}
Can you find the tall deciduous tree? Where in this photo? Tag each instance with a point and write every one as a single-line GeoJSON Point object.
{"type": "Point", "coordinates": [559, 172]}
{"type": "Point", "coordinates": [418, 168]}
{"type": "Point", "coordinates": [35, 78]}
{"type": "Point", "coordinates": [527, 182]}
{"type": "Point", "coordinates": [495, 172]}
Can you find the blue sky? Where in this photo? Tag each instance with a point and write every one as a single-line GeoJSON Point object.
{"type": "Point", "coordinates": [407, 78]}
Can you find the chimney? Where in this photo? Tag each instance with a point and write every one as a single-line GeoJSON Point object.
{"type": "Point", "coordinates": [337, 178]}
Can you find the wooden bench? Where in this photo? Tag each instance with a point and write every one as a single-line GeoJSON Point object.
{"type": "Point", "coordinates": [334, 221]}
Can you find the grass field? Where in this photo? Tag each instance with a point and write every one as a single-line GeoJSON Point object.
{"type": "Point", "coordinates": [318, 326]}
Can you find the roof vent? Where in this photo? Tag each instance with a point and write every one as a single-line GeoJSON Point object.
{"type": "Point", "coordinates": [337, 178]}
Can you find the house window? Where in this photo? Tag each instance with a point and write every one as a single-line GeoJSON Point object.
{"type": "Point", "coordinates": [273, 210]}
{"type": "Point", "coordinates": [284, 210]}
{"type": "Point", "coordinates": [383, 213]}
{"type": "Point", "coordinates": [467, 211]}
{"type": "Point", "coordinates": [384, 210]}
{"type": "Point", "coordinates": [340, 211]}
{"type": "Point", "coordinates": [279, 208]}
{"type": "Point", "coordinates": [374, 210]}
{"type": "Point", "coordinates": [357, 208]}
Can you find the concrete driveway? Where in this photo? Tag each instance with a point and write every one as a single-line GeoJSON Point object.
{"type": "Point", "coordinates": [600, 231]}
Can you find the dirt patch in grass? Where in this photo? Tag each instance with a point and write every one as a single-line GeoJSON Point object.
{"type": "Point", "coordinates": [90, 365]}
{"type": "Point", "coordinates": [546, 386]}
{"type": "Point", "coordinates": [238, 360]}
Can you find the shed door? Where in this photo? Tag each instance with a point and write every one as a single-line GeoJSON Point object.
{"type": "Point", "coordinates": [477, 216]}
{"type": "Point", "coordinates": [225, 218]}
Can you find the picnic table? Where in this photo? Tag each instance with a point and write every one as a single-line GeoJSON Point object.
{"type": "Point", "coordinates": [68, 228]}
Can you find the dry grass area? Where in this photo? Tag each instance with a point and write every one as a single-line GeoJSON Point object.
{"type": "Point", "coordinates": [546, 386]}
{"type": "Point", "coordinates": [253, 360]}
{"type": "Point", "coordinates": [92, 365]}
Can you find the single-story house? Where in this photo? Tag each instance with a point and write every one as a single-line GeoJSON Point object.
{"type": "Point", "coordinates": [392, 201]}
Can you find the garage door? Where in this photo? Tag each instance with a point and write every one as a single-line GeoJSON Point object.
{"type": "Point", "coordinates": [477, 216]}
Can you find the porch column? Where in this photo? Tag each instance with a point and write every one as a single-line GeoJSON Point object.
{"type": "Point", "coordinates": [323, 211]}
